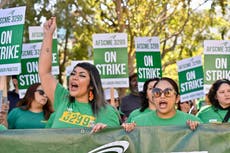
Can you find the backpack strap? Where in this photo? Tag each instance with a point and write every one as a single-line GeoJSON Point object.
{"type": "Point", "coordinates": [226, 117]}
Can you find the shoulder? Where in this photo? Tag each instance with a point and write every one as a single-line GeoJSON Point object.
{"type": "Point", "coordinates": [134, 112]}
{"type": "Point", "coordinates": [16, 109]}
{"type": "Point", "coordinates": [143, 116]}
{"type": "Point", "coordinates": [10, 92]}
{"type": "Point", "coordinates": [61, 94]}
{"type": "Point", "coordinates": [130, 98]}
{"type": "Point", "coordinates": [188, 116]}
{"type": "Point", "coordinates": [16, 112]}
{"type": "Point", "coordinates": [125, 98]}
{"type": "Point", "coordinates": [138, 111]}
{"type": "Point", "coordinates": [205, 109]}
{"type": "Point", "coordinates": [108, 108]}
{"type": "Point", "coordinates": [59, 87]}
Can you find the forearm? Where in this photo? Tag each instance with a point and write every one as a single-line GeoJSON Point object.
{"type": "Point", "coordinates": [5, 123]}
{"type": "Point", "coordinates": [45, 59]}
{"type": "Point", "coordinates": [3, 119]}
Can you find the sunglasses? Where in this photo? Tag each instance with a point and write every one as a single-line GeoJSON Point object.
{"type": "Point", "coordinates": [115, 99]}
{"type": "Point", "coordinates": [41, 92]}
{"type": "Point", "coordinates": [168, 92]}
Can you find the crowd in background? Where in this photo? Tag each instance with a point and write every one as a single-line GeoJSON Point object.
{"type": "Point", "coordinates": [35, 110]}
{"type": "Point", "coordinates": [86, 104]}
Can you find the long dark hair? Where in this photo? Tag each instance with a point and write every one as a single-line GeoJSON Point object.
{"type": "Point", "coordinates": [95, 82]}
{"type": "Point", "coordinates": [25, 102]}
{"type": "Point", "coordinates": [143, 94]}
{"type": "Point", "coordinates": [212, 92]}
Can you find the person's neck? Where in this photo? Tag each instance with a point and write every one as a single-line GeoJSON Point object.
{"type": "Point", "coordinates": [166, 115]}
{"type": "Point", "coordinates": [152, 106]}
{"type": "Point", "coordinates": [224, 106]}
{"type": "Point", "coordinates": [82, 99]}
{"type": "Point", "coordinates": [35, 108]}
{"type": "Point", "coordinates": [135, 93]}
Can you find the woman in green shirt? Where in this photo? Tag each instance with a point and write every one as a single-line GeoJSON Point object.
{"type": "Point", "coordinates": [32, 111]}
{"type": "Point", "coordinates": [83, 104]}
{"type": "Point", "coordinates": [219, 97]}
{"type": "Point", "coordinates": [165, 95]}
{"type": "Point", "coordinates": [147, 103]}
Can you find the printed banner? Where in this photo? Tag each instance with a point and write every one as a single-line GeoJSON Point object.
{"type": "Point", "coordinates": [111, 59]}
{"type": "Point", "coordinates": [216, 61]}
{"type": "Point", "coordinates": [208, 138]}
{"type": "Point", "coordinates": [191, 78]}
{"type": "Point", "coordinates": [11, 37]}
{"type": "Point", "coordinates": [148, 59]}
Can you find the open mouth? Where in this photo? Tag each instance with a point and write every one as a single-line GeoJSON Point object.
{"type": "Point", "coordinates": [74, 86]}
{"type": "Point", "coordinates": [163, 104]}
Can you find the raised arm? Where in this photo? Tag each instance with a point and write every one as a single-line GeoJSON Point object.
{"type": "Point", "coordinates": [48, 81]}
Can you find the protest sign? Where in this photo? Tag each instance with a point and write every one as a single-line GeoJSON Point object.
{"type": "Point", "coordinates": [191, 78]}
{"type": "Point", "coordinates": [216, 61]}
{"type": "Point", "coordinates": [29, 62]}
{"type": "Point", "coordinates": [148, 59]}
{"type": "Point", "coordinates": [111, 59]}
{"type": "Point", "coordinates": [36, 35]}
{"type": "Point", "coordinates": [11, 37]}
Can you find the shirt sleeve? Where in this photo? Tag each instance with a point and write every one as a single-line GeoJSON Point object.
{"type": "Point", "coordinates": [11, 118]}
{"type": "Point", "coordinates": [61, 95]}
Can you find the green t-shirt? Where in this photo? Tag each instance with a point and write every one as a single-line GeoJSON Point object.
{"type": "Point", "coordinates": [209, 114]}
{"type": "Point", "coordinates": [2, 127]}
{"type": "Point", "coordinates": [76, 114]}
{"type": "Point", "coordinates": [135, 113]}
{"type": "Point", "coordinates": [25, 119]}
{"type": "Point", "coordinates": [151, 119]}
{"type": "Point", "coordinates": [50, 120]}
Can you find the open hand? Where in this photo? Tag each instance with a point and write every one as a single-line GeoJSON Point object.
{"type": "Point", "coordinates": [98, 127]}
{"type": "Point", "coordinates": [128, 127]}
{"type": "Point", "coordinates": [192, 124]}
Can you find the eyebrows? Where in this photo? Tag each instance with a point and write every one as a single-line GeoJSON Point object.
{"type": "Point", "coordinates": [80, 72]}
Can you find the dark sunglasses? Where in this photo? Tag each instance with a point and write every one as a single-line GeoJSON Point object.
{"type": "Point", "coordinates": [41, 92]}
{"type": "Point", "coordinates": [157, 92]}
{"type": "Point", "coordinates": [115, 99]}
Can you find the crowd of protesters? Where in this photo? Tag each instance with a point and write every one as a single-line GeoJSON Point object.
{"type": "Point", "coordinates": [86, 104]}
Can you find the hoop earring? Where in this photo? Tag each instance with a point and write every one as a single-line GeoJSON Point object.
{"type": "Point", "coordinates": [91, 96]}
